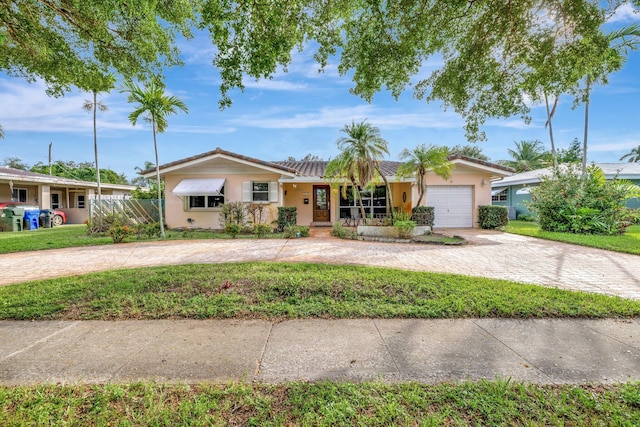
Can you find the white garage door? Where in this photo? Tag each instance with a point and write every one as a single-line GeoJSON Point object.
{"type": "Point", "coordinates": [453, 205]}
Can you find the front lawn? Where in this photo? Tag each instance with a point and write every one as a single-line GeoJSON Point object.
{"type": "Point", "coordinates": [76, 235]}
{"type": "Point", "coordinates": [489, 403]}
{"type": "Point", "coordinates": [628, 242]}
{"type": "Point", "coordinates": [275, 290]}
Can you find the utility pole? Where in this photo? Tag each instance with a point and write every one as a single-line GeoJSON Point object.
{"type": "Point", "coordinates": [50, 167]}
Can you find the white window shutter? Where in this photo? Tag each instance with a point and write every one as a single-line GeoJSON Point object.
{"type": "Point", "coordinates": [273, 191]}
{"type": "Point", "coordinates": [246, 191]}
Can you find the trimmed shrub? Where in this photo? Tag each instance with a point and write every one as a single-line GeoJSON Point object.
{"type": "Point", "coordinates": [343, 233]}
{"type": "Point", "coordinates": [526, 217]}
{"type": "Point", "coordinates": [294, 231]}
{"type": "Point", "coordinates": [423, 215]}
{"type": "Point", "coordinates": [287, 217]}
{"type": "Point", "coordinates": [493, 216]}
{"type": "Point", "coordinates": [261, 230]}
{"type": "Point", "coordinates": [405, 229]}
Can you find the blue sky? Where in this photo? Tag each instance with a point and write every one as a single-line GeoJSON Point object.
{"type": "Point", "coordinates": [293, 114]}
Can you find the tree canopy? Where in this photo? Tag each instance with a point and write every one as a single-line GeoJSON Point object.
{"type": "Point", "coordinates": [83, 171]}
{"type": "Point", "coordinates": [489, 51]}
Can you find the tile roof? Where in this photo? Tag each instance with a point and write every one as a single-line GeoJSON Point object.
{"type": "Point", "coordinates": [219, 150]}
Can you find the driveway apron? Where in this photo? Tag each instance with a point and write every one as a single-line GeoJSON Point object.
{"type": "Point", "coordinates": [488, 254]}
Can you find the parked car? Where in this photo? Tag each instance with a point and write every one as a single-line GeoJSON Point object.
{"type": "Point", "coordinates": [57, 217]}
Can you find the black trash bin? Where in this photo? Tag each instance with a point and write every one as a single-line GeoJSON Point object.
{"type": "Point", "coordinates": [44, 220]}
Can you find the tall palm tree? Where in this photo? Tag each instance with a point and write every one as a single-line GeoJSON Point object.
{"type": "Point", "coordinates": [633, 155]}
{"type": "Point", "coordinates": [528, 155]}
{"type": "Point", "coordinates": [94, 106]}
{"type": "Point", "coordinates": [154, 106]}
{"type": "Point", "coordinates": [619, 41]}
{"type": "Point", "coordinates": [423, 159]}
{"type": "Point", "coordinates": [361, 152]}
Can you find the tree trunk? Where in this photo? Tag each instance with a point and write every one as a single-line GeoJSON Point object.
{"type": "Point", "coordinates": [586, 130]}
{"type": "Point", "coordinates": [420, 188]}
{"type": "Point", "coordinates": [95, 152]}
{"type": "Point", "coordinates": [155, 147]}
{"type": "Point", "coordinates": [549, 118]}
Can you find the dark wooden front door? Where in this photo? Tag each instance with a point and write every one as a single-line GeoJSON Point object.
{"type": "Point", "coordinates": [321, 199]}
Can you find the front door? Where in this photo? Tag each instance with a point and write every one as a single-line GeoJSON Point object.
{"type": "Point", "coordinates": [321, 199]}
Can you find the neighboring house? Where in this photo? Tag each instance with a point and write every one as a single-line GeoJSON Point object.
{"type": "Point", "coordinates": [197, 187]}
{"type": "Point", "coordinates": [53, 192]}
{"type": "Point", "coordinates": [514, 191]}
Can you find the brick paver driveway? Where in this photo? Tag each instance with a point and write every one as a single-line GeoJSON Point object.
{"type": "Point", "coordinates": [488, 254]}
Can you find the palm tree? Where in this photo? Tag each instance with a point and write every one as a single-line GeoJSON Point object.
{"type": "Point", "coordinates": [361, 152]}
{"type": "Point", "coordinates": [423, 159]}
{"type": "Point", "coordinates": [528, 155]}
{"type": "Point", "coordinates": [633, 155]}
{"type": "Point", "coordinates": [94, 106]}
{"type": "Point", "coordinates": [152, 103]}
{"type": "Point", "coordinates": [618, 42]}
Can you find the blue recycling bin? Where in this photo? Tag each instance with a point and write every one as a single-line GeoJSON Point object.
{"type": "Point", "coordinates": [31, 219]}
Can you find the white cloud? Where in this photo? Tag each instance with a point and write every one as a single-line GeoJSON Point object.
{"type": "Point", "coordinates": [615, 144]}
{"type": "Point", "coordinates": [624, 13]}
{"type": "Point", "coordinates": [26, 107]}
{"type": "Point", "coordinates": [328, 117]}
{"type": "Point", "coordinates": [275, 84]}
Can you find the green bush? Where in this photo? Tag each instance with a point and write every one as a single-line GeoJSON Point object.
{"type": "Point", "coordinates": [287, 217]}
{"type": "Point", "coordinates": [493, 216]}
{"type": "Point", "coordinates": [233, 213]}
{"type": "Point", "coordinates": [405, 229]}
{"type": "Point", "coordinates": [261, 230]}
{"type": "Point", "coordinates": [343, 233]}
{"type": "Point", "coordinates": [526, 217]}
{"type": "Point", "coordinates": [423, 215]}
{"type": "Point", "coordinates": [120, 230]}
{"type": "Point", "coordinates": [564, 202]}
{"type": "Point", "coordinates": [234, 229]}
{"type": "Point", "coordinates": [294, 231]}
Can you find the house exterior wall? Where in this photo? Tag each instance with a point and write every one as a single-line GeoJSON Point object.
{"type": "Point", "coordinates": [177, 213]}
{"type": "Point", "coordinates": [295, 197]}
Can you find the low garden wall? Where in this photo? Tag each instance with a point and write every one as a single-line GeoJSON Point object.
{"type": "Point", "coordinates": [382, 231]}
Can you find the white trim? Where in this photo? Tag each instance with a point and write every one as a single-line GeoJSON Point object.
{"type": "Point", "coordinates": [273, 191]}
{"type": "Point", "coordinates": [195, 162]}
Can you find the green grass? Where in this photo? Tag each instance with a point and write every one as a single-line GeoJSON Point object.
{"type": "Point", "coordinates": [272, 290]}
{"type": "Point", "coordinates": [76, 235]}
{"type": "Point", "coordinates": [321, 404]}
{"type": "Point", "coordinates": [628, 242]}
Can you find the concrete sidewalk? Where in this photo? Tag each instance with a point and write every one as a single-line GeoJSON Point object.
{"type": "Point", "coordinates": [430, 351]}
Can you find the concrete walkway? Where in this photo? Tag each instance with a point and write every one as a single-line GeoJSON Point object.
{"type": "Point", "coordinates": [489, 254]}
{"type": "Point", "coordinates": [429, 351]}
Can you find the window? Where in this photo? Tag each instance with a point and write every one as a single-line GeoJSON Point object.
{"type": "Point", "coordinates": [374, 201]}
{"type": "Point", "coordinates": [80, 201]}
{"type": "Point", "coordinates": [19, 195]}
{"type": "Point", "coordinates": [499, 195]}
{"type": "Point", "coordinates": [55, 201]}
{"type": "Point", "coordinates": [260, 191]}
{"type": "Point", "coordinates": [206, 202]}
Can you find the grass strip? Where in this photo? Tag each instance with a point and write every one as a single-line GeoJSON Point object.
{"type": "Point", "coordinates": [277, 290]}
{"type": "Point", "coordinates": [627, 243]}
{"type": "Point", "coordinates": [321, 404]}
{"type": "Point", "coordinates": [76, 235]}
